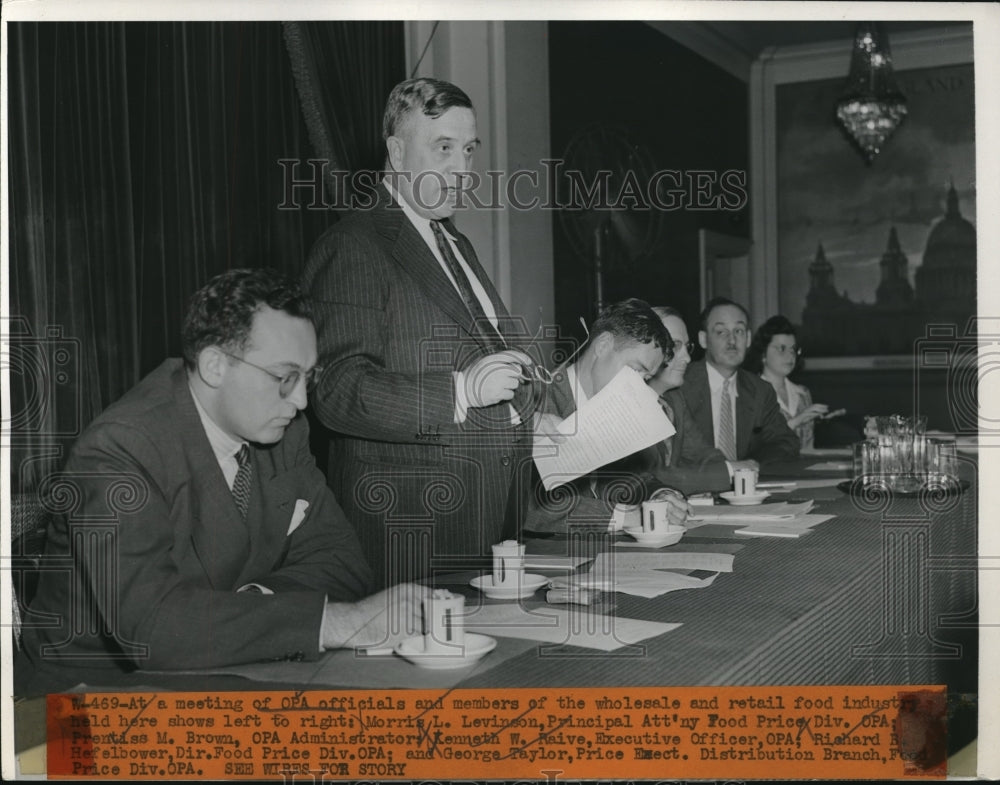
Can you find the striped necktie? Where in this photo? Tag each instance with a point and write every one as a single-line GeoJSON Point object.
{"type": "Point", "coordinates": [666, 447]}
{"type": "Point", "coordinates": [727, 429]}
{"type": "Point", "coordinates": [483, 325]}
{"type": "Point", "coordinates": [243, 481]}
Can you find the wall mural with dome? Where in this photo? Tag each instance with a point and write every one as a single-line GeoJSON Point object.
{"type": "Point", "coordinates": [868, 256]}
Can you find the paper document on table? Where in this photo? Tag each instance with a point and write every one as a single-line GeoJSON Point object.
{"type": "Point", "coordinates": [794, 527]}
{"type": "Point", "coordinates": [621, 419]}
{"type": "Point", "coordinates": [610, 563]}
{"type": "Point", "coordinates": [579, 627]}
{"type": "Point", "coordinates": [541, 561]}
{"type": "Point", "coordinates": [653, 583]}
{"type": "Point", "coordinates": [723, 513]}
{"type": "Point", "coordinates": [830, 466]}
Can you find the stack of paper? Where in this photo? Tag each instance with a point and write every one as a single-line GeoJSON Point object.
{"type": "Point", "coordinates": [653, 574]}
{"type": "Point", "coordinates": [765, 520]}
{"type": "Point", "coordinates": [785, 527]}
{"type": "Point", "coordinates": [579, 626]}
{"type": "Point", "coordinates": [737, 515]}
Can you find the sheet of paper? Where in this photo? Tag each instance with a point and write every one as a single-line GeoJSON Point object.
{"type": "Point", "coordinates": [764, 529]}
{"type": "Point", "coordinates": [622, 561]}
{"type": "Point", "coordinates": [653, 583]}
{"type": "Point", "coordinates": [823, 482]}
{"type": "Point", "coordinates": [621, 419]}
{"type": "Point", "coordinates": [793, 527]}
{"type": "Point", "coordinates": [726, 513]}
{"type": "Point", "coordinates": [578, 627]}
{"type": "Point", "coordinates": [830, 466]}
{"type": "Point", "coordinates": [541, 561]}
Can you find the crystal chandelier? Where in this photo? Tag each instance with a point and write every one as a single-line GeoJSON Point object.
{"type": "Point", "coordinates": [871, 106]}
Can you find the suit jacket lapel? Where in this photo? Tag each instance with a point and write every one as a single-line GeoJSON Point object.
{"type": "Point", "coordinates": [218, 532]}
{"type": "Point", "coordinates": [699, 398]}
{"type": "Point", "coordinates": [271, 506]}
{"type": "Point", "coordinates": [411, 253]}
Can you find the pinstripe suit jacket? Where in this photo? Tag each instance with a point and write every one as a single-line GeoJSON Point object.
{"type": "Point", "coordinates": [392, 330]}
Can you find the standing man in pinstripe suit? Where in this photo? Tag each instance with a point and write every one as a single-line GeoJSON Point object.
{"type": "Point", "coordinates": [428, 413]}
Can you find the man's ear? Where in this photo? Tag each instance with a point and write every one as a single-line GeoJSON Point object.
{"type": "Point", "coordinates": [702, 339]}
{"type": "Point", "coordinates": [395, 148]}
{"type": "Point", "coordinates": [603, 344]}
{"type": "Point", "coordinates": [212, 365]}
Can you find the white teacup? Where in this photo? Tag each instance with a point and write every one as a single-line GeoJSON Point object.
{"type": "Point", "coordinates": [655, 517]}
{"type": "Point", "coordinates": [444, 628]}
{"type": "Point", "coordinates": [744, 482]}
{"type": "Point", "coordinates": [508, 563]}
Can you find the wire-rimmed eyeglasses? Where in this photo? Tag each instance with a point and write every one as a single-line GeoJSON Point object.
{"type": "Point", "coordinates": [288, 382]}
{"type": "Point", "coordinates": [678, 345]}
{"type": "Point", "coordinates": [536, 372]}
{"type": "Point", "coordinates": [796, 350]}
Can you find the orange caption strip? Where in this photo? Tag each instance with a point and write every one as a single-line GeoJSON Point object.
{"type": "Point", "coordinates": [636, 733]}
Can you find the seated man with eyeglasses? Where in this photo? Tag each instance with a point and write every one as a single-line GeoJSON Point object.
{"type": "Point", "coordinates": [626, 334]}
{"type": "Point", "coordinates": [197, 531]}
{"type": "Point", "coordinates": [734, 408]}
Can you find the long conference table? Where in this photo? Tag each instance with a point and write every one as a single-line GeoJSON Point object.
{"type": "Point", "coordinates": [883, 593]}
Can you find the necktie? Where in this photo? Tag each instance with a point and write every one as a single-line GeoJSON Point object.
{"type": "Point", "coordinates": [666, 447]}
{"type": "Point", "coordinates": [727, 430]}
{"type": "Point", "coordinates": [483, 326]}
{"type": "Point", "coordinates": [242, 481]}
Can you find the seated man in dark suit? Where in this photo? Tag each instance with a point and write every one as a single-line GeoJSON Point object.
{"type": "Point", "coordinates": [626, 334]}
{"type": "Point", "coordinates": [735, 408]}
{"type": "Point", "coordinates": [198, 530]}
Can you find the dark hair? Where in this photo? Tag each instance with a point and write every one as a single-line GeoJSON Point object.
{"type": "Point", "coordinates": [221, 312]}
{"type": "Point", "coordinates": [717, 302]}
{"type": "Point", "coordinates": [776, 325]}
{"type": "Point", "coordinates": [632, 320]}
{"type": "Point", "coordinates": [433, 97]}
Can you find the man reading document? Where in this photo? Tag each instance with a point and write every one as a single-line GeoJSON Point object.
{"type": "Point", "coordinates": [627, 337]}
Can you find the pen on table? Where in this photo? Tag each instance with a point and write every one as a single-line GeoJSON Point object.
{"type": "Point", "coordinates": [790, 484]}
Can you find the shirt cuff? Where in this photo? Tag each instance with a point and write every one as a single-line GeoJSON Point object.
{"type": "Point", "coordinates": [254, 588]}
{"type": "Point", "coordinates": [461, 402]}
{"type": "Point", "coordinates": [322, 626]}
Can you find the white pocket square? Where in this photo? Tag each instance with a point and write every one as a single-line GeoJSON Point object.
{"type": "Point", "coordinates": [298, 515]}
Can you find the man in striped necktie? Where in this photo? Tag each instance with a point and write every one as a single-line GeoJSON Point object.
{"type": "Point", "coordinates": [737, 409]}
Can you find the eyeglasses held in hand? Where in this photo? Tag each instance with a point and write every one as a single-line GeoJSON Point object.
{"type": "Point", "coordinates": [539, 373]}
{"type": "Point", "coordinates": [288, 382]}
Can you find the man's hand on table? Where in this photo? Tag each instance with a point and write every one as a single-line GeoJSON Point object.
{"type": "Point", "coordinates": [678, 508]}
{"type": "Point", "coordinates": [383, 619]}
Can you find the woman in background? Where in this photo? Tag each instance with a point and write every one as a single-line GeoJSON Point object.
{"type": "Point", "coordinates": [774, 354]}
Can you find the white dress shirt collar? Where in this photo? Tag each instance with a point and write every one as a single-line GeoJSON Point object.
{"type": "Point", "coordinates": [224, 446]}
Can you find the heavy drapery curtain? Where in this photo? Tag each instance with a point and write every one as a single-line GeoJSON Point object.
{"type": "Point", "coordinates": [145, 158]}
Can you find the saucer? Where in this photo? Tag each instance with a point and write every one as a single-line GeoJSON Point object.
{"type": "Point", "coordinates": [474, 647]}
{"type": "Point", "coordinates": [748, 499]}
{"type": "Point", "coordinates": [528, 585]}
{"type": "Point", "coordinates": [654, 539]}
